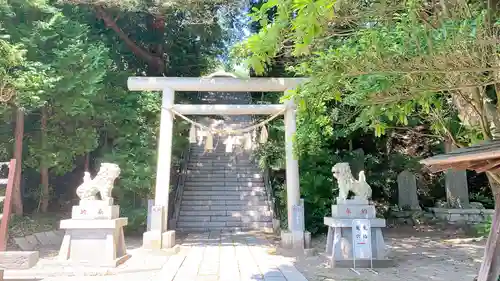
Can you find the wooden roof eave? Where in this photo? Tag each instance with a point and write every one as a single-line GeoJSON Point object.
{"type": "Point", "coordinates": [480, 158]}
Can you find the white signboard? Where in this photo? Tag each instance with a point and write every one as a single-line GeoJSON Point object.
{"type": "Point", "coordinates": [361, 239]}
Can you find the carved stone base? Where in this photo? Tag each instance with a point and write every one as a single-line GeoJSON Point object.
{"type": "Point", "coordinates": [94, 242]}
{"type": "Point", "coordinates": [339, 243]}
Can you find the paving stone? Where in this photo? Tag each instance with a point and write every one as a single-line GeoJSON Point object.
{"type": "Point", "coordinates": [274, 278]}
{"type": "Point", "coordinates": [272, 273]}
{"type": "Point", "coordinates": [24, 244]}
{"type": "Point", "coordinates": [170, 269]}
{"type": "Point", "coordinates": [54, 239]}
{"type": "Point", "coordinates": [32, 239]}
{"type": "Point", "coordinates": [207, 278]}
{"type": "Point", "coordinates": [42, 238]}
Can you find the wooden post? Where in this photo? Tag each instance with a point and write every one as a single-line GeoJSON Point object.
{"type": "Point", "coordinates": [17, 203]}
{"type": "Point", "coordinates": [44, 169]}
{"type": "Point", "coordinates": [491, 263]}
{"type": "Point", "coordinates": [4, 222]}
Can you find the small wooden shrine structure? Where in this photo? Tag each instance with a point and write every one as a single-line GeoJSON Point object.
{"type": "Point", "coordinates": [482, 158]}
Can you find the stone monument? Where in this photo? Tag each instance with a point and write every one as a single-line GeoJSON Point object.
{"type": "Point", "coordinates": [340, 240]}
{"type": "Point", "coordinates": [94, 234]}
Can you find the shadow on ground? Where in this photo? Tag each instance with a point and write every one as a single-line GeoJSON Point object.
{"type": "Point", "coordinates": [438, 253]}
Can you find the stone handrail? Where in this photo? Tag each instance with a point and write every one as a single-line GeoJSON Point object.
{"type": "Point", "coordinates": [179, 187]}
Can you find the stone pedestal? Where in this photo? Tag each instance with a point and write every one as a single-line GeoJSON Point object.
{"type": "Point", "coordinates": [158, 237]}
{"type": "Point", "coordinates": [94, 235]}
{"type": "Point", "coordinates": [339, 241]}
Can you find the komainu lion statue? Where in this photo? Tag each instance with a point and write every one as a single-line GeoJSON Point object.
{"type": "Point", "coordinates": [102, 183]}
{"type": "Point", "coordinates": [346, 182]}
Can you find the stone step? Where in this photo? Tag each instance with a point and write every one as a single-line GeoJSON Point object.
{"type": "Point", "coordinates": [224, 224]}
{"type": "Point", "coordinates": [222, 178]}
{"type": "Point", "coordinates": [262, 218]}
{"type": "Point", "coordinates": [207, 170]}
{"type": "Point", "coordinates": [219, 151]}
{"type": "Point", "coordinates": [229, 180]}
{"type": "Point", "coordinates": [264, 208]}
{"type": "Point", "coordinates": [223, 213]}
{"type": "Point", "coordinates": [222, 193]}
{"type": "Point", "coordinates": [220, 156]}
{"type": "Point", "coordinates": [226, 166]}
{"type": "Point", "coordinates": [223, 197]}
{"type": "Point", "coordinates": [221, 229]}
{"type": "Point", "coordinates": [220, 159]}
{"type": "Point", "coordinates": [255, 202]}
{"type": "Point", "coordinates": [224, 188]}
{"type": "Point", "coordinates": [201, 177]}
{"type": "Point", "coordinates": [234, 187]}
{"type": "Point", "coordinates": [226, 182]}
{"type": "Point", "coordinates": [225, 170]}
{"type": "Point", "coordinates": [220, 162]}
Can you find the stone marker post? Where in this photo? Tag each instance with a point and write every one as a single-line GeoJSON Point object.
{"type": "Point", "coordinates": [407, 191]}
{"type": "Point", "coordinates": [457, 191]}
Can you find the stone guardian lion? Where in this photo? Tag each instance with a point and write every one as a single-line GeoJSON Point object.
{"type": "Point", "coordinates": [102, 183]}
{"type": "Point", "coordinates": [346, 182]}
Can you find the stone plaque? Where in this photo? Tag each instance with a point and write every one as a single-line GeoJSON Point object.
{"type": "Point", "coordinates": [95, 212]}
{"type": "Point", "coordinates": [298, 218]}
{"type": "Point", "coordinates": [361, 239]}
{"type": "Point", "coordinates": [157, 218]}
{"type": "Point", "coordinates": [354, 211]}
{"type": "Point", "coordinates": [150, 207]}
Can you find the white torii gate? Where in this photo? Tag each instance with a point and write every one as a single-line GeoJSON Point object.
{"type": "Point", "coordinates": [160, 236]}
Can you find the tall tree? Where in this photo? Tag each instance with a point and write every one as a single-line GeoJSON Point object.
{"type": "Point", "coordinates": [392, 61]}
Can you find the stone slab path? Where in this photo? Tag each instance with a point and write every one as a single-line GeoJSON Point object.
{"type": "Point", "coordinates": [213, 256]}
{"type": "Point", "coordinates": [218, 256]}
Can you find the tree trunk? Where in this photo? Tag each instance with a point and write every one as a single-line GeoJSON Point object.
{"type": "Point", "coordinates": [490, 268]}
{"type": "Point", "coordinates": [86, 165]}
{"type": "Point", "coordinates": [17, 202]}
{"type": "Point", "coordinates": [44, 170]}
{"type": "Point", "coordinates": [155, 62]}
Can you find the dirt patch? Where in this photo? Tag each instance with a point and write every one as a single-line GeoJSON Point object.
{"type": "Point", "coordinates": [439, 253]}
{"type": "Point", "coordinates": [31, 224]}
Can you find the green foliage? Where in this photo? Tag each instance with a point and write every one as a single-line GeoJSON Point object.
{"type": "Point", "coordinates": [58, 57]}
{"type": "Point", "coordinates": [484, 228]}
{"type": "Point", "coordinates": [378, 74]}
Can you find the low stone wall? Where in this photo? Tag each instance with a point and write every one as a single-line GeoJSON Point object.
{"type": "Point", "coordinates": [466, 216]}
{"type": "Point", "coordinates": [452, 216]}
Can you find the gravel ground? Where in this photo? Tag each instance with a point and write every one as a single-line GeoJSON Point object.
{"type": "Point", "coordinates": [426, 253]}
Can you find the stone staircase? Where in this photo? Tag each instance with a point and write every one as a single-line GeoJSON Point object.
{"type": "Point", "coordinates": [224, 191]}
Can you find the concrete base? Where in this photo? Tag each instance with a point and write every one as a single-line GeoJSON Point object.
{"type": "Point", "coordinates": [94, 242]}
{"type": "Point", "coordinates": [295, 239]}
{"type": "Point", "coordinates": [154, 240]}
{"type": "Point", "coordinates": [276, 226]}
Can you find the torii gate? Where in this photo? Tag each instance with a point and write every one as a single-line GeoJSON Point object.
{"type": "Point", "coordinates": [160, 236]}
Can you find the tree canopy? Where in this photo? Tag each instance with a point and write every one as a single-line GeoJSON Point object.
{"type": "Point", "coordinates": [66, 64]}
